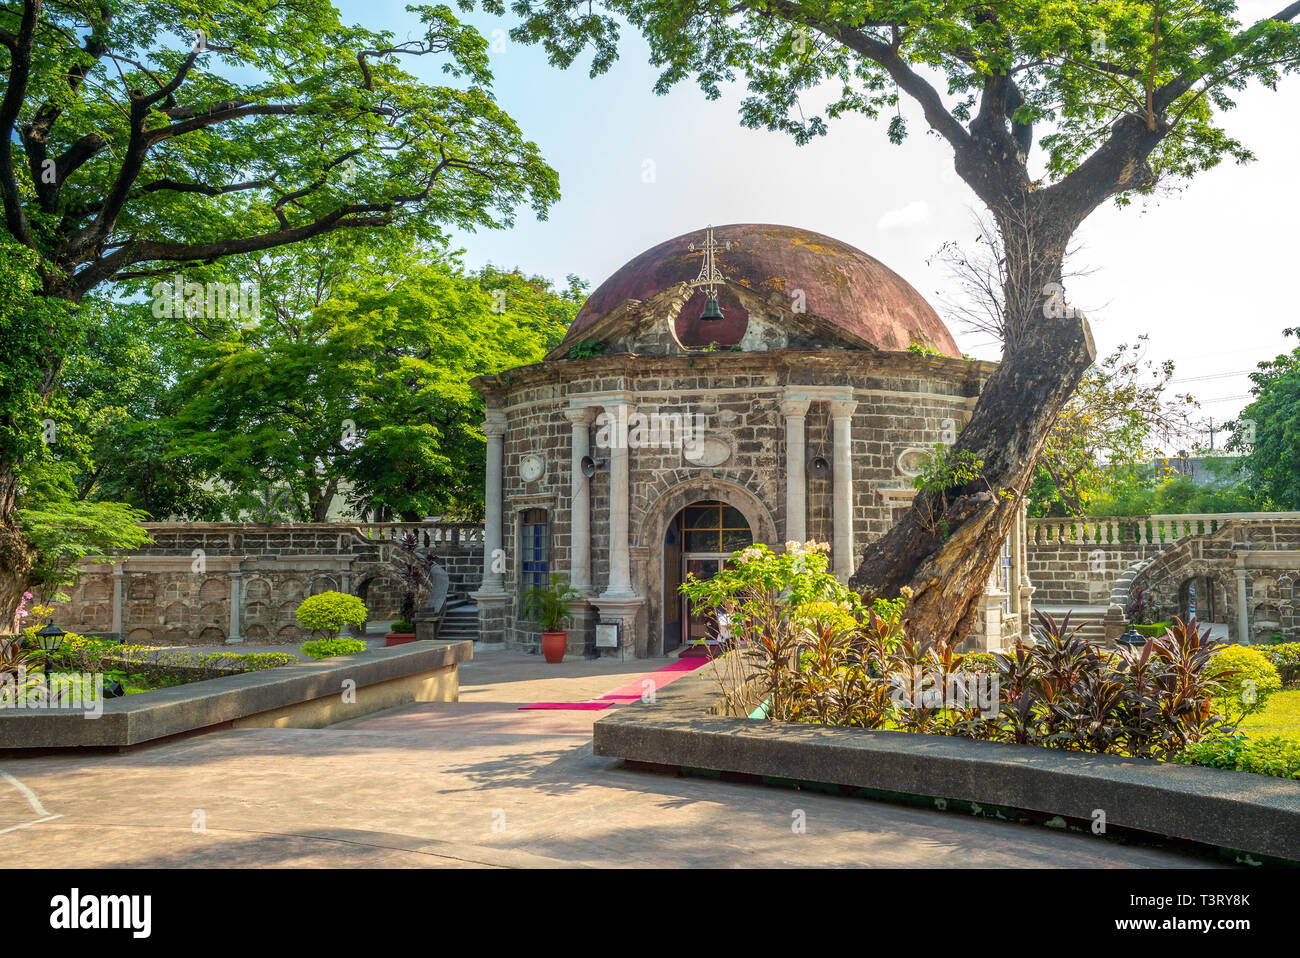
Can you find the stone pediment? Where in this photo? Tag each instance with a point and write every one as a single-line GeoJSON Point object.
{"type": "Point", "coordinates": [648, 327]}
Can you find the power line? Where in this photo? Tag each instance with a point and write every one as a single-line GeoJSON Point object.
{"type": "Point", "coordinates": [1224, 399]}
{"type": "Point", "coordinates": [1197, 379]}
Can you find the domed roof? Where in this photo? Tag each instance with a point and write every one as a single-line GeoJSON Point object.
{"type": "Point", "coordinates": [839, 283]}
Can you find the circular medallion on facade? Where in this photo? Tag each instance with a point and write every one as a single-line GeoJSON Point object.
{"type": "Point", "coordinates": [706, 451]}
{"type": "Point", "coordinates": [532, 467]}
{"type": "Point", "coordinates": [912, 460]}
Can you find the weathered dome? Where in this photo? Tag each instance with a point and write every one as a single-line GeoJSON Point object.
{"type": "Point", "coordinates": [839, 283]}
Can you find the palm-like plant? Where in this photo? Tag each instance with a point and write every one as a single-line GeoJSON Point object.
{"type": "Point", "coordinates": [548, 606]}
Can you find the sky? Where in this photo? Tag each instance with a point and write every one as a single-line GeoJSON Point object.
{"type": "Point", "coordinates": [1208, 273]}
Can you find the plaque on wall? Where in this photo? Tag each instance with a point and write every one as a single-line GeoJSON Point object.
{"type": "Point", "coordinates": [709, 451]}
{"type": "Point", "coordinates": [531, 467]}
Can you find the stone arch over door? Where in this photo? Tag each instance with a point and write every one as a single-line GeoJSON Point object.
{"type": "Point", "coordinates": [648, 579]}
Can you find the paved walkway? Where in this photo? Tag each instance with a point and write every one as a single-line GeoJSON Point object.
{"type": "Point", "coordinates": [473, 783]}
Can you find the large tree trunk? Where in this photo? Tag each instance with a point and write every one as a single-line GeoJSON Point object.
{"type": "Point", "coordinates": [946, 546]}
{"type": "Point", "coordinates": [15, 554]}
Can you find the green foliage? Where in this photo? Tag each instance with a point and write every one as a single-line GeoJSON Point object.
{"type": "Point", "coordinates": [1285, 657]}
{"type": "Point", "coordinates": [946, 469]}
{"type": "Point", "coordinates": [1267, 432]}
{"type": "Point", "coordinates": [769, 599]}
{"type": "Point", "coordinates": [1078, 67]}
{"type": "Point", "coordinates": [1098, 457]}
{"type": "Point", "coordinates": [1247, 680]}
{"type": "Point", "coordinates": [401, 625]}
{"type": "Point", "coordinates": [65, 531]}
{"type": "Point", "coordinates": [922, 349]}
{"type": "Point", "coordinates": [31, 327]}
{"type": "Point", "coordinates": [361, 383]}
{"type": "Point", "coordinates": [1272, 755]}
{"type": "Point", "coordinates": [329, 612]}
{"type": "Point", "coordinates": [328, 648]}
{"type": "Point", "coordinates": [1152, 630]}
{"type": "Point", "coordinates": [1061, 692]}
{"type": "Point", "coordinates": [547, 607]}
{"type": "Point", "coordinates": [586, 349]}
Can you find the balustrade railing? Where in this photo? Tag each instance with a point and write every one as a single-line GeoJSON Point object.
{"type": "Point", "coordinates": [430, 534]}
{"type": "Point", "coordinates": [1141, 530]}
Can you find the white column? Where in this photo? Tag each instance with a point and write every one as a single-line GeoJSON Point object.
{"type": "Point", "coordinates": [580, 501]}
{"type": "Point", "coordinates": [118, 569]}
{"type": "Point", "coordinates": [796, 483]}
{"type": "Point", "coordinates": [842, 487]}
{"type": "Point", "coordinates": [234, 638]}
{"type": "Point", "coordinates": [1243, 608]}
{"type": "Point", "coordinates": [494, 427]}
{"type": "Point", "coordinates": [620, 477]}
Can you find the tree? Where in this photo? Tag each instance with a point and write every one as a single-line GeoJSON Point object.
{"type": "Point", "coordinates": [142, 139]}
{"type": "Point", "coordinates": [1267, 432]}
{"type": "Point", "coordinates": [1115, 425]}
{"type": "Point", "coordinates": [357, 380]}
{"type": "Point", "coordinates": [1128, 93]}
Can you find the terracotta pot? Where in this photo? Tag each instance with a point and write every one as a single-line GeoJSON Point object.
{"type": "Point", "coordinates": [398, 638]}
{"type": "Point", "coordinates": [553, 646]}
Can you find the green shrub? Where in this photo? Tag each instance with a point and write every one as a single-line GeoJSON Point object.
{"type": "Point", "coordinates": [329, 612]}
{"type": "Point", "coordinates": [1285, 657]}
{"type": "Point", "coordinates": [1275, 755]}
{"type": "Point", "coordinates": [978, 662]}
{"type": "Point", "coordinates": [1154, 630]}
{"type": "Point", "coordinates": [82, 653]}
{"type": "Point", "coordinates": [401, 625]}
{"type": "Point", "coordinates": [1246, 679]}
{"type": "Point", "coordinates": [245, 661]}
{"type": "Point", "coordinates": [328, 648]}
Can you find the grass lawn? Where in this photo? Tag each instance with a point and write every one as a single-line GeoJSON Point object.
{"type": "Point", "coordinates": [1281, 716]}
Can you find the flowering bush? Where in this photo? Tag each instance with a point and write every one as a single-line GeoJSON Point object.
{"type": "Point", "coordinates": [769, 599]}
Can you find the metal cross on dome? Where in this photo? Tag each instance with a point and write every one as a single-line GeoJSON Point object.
{"type": "Point", "coordinates": [710, 275]}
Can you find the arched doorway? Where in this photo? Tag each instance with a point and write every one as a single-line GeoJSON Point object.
{"type": "Point", "coordinates": [699, 541]}
{"type": "Point", "coordinates": [1196, 597]}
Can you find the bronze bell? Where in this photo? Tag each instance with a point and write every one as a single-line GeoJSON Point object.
{"type": "Point", "coordinates": [711, 311]}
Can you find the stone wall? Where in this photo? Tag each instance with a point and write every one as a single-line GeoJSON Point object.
{"type": "Point", "coordinates": [1078, 574]}
{"type": "Point", "coordinates": [213, 583]}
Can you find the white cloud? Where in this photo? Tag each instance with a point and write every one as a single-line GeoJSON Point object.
{"type": "Point", "coordinates": [918, 211]}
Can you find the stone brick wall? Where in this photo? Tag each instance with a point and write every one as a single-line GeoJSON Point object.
{"type": "Point", "coordinates": [180, 589]}
{"type": "Point", "coordinates": [1076, 574]}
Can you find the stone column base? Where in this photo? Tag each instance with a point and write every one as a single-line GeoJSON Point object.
{"type": "Point", "coordinates": [426, 624]}
{"type": "Point", "coordinates": [1115, 623]}
{"type": "Point", "coordinates": [493, 608]}
{"type": "Point", "coordinates": [629, 613]}
{"type": "Point", "coordinates": [582, 629]}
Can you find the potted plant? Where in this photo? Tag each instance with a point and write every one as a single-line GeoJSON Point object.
{"type": "Point", "coordinates": [548, 607]}
{"type": "Point", "coordinates": [399, 633]}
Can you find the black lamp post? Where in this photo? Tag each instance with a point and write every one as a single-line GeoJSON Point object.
{"type": "Point", "coordinates": [49, 639]}
{"type": "Point", "coordinates": [1131, 637]}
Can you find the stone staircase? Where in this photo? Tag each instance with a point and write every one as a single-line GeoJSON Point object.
{"type": "Point", "coordinates": [1090, 618]}
{"type": "Point", "coordinates": [459, 621]}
